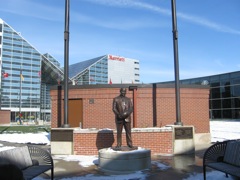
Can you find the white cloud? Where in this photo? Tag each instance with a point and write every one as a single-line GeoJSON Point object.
{"type": "Point", "coordinates": [218, 62]}
{"type": "Point", "coordinates": [207, 23]}
{"type": "Point", "coordinates": [33, 9]}
{"type": "Point", "coordinates": [191, 18]}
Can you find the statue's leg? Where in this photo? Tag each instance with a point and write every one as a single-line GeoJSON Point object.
{"type": "Point", "coordinates": [119, 134]}
{"type": "Point", "coordinates": [127, 127]}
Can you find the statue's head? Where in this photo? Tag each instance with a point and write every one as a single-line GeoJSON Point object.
{"type": "Point", "coordinates": [123, 91]}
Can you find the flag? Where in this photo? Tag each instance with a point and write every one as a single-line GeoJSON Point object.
{"type": "Point", "coordinates": [59, 79]}
{"type": "Point", "coordinates": [73, 82]}
{"type": "Point", "coordinates": [21, 76]}
{"type": "Point", "coordinates": [5, 75]}
{"type": "Point", "coordinates": [110, 82]}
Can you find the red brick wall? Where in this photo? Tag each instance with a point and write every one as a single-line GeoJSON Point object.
{"type": "Point", "coordinates": [5, 117]}
{"type": "Point", "coordinates": [194, 105]}
{"type": "Point", "coordinates": [90, 143]}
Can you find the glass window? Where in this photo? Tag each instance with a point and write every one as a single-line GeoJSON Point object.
{"type": "Point", "coordinates": [236, 102]}
{"type": "Point", "coordinates": [226, 103]}
{"type": "Point", "coordinates": [215, 84]}
{"type": "Point", "coordinates": [225, 83]}
{"type": "Point", "coordinates": [215, 93]}
{"type": "Point", "coordinates": [227, 113]}
{"type": "Point", "coordinates": [226, 91]}
{"type": "Point", "coordinates": [235, 75]}
{"type": "Point", "coordinates": [216, 104]}
{"type": "Point", "coordinates": [236, 113]}
{"type": "Point", "coordinates": [216, 114]}
{"type": "Point", "coordinates": [214, 78]}
{"type": "Point", "coordinates": [224, 76]}
{"type": "Point", "coordinates": [236, 91]}
{"type": "Point", "coordinates": [236, 81]}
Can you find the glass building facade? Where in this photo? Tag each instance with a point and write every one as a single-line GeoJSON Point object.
{"type": "Point", "coordinates": [52, 59]}
{"type": "Point", "coordinates": [224, 100]}
{"type": "Point", "coordinates": [23, 87]}
{"type": "Point", "coordinates": [93, 71]}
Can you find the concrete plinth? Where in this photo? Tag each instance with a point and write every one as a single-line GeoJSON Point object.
{"type": "Point", "coordinates": [183, 140]}
{"type": "Point", "coordinates": [120, 162]}
{"type": "Point", "coordinates": [62, 141]}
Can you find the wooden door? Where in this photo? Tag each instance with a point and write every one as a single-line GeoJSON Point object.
{"type": "Point", "coordinates": [75, 112]}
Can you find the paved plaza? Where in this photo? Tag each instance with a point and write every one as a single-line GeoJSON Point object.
{"type": "Point", "coordinates": [163, 167]}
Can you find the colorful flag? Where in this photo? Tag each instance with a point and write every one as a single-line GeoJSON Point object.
{"type": "Point", "coordinates": [22, 78]}
{"type": "Point", "coordinates": [110, 82]}
{"type": "Point", "coordinates": [5, 75]}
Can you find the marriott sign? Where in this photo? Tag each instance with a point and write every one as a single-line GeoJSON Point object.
{"type": "Point", "coordinates": [116, 58]}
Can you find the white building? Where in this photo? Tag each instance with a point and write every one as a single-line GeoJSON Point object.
{"type": "Point", "coordinates": [107, 69]}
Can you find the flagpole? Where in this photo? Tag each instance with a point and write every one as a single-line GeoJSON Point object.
{"type": "Point", "coordinates": [176, 64]}
{"type": "Point", "coordinates": [20, 95]}
{"type": "Point", "coordinates": [66, 63]}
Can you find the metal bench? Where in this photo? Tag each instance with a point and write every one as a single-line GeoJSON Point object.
{"type": "Point", "coordinates": [31, 160]}
{"type": "Point", "coordinates": [224, 157]}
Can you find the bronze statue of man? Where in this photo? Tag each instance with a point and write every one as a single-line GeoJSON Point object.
{"type": "Point", "coordinates": [122, 108]}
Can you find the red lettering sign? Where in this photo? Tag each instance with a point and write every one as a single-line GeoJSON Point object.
{"type": "Point", "coordinates": [116, 58]}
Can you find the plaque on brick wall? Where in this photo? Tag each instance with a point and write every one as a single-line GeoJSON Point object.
{"type": "Point", "coordinates": [183, 133]}
{"type": "Point", "coordinates": [91, 101]}
{"type": "Point", "coordinates": [62, 135]}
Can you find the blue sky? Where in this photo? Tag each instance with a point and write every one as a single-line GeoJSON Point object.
{"type": "Point", "coordinates": [208, 44]}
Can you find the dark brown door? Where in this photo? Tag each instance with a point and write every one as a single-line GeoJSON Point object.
{"type": "Point", "coordinates": [75, 112]}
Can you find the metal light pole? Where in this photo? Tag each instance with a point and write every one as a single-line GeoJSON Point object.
{"type": "Point", "coordinates": [66, 63]}
{"type": "Point", "coordinates": [20, 93]}
{"type": "Point", "coordinates": [176, 64]}
{"type": "Point", "coordinates": [20, 97]}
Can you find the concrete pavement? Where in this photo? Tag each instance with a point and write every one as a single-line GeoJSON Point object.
{"type": "Point", "coordinates": [178, 167]}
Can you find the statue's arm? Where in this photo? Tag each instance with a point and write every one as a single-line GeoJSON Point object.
{"type": "Point", "coordinates": [114, 107]}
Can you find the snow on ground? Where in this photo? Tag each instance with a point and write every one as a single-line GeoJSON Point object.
{"type": "Point", "coordinates": [224, 130]}
{"type": "Point", "coordinates": [84, 161]}
{"type": "Point", "coordinates": [220, 131]}
{"type": "Point", "coordinates": [3, 148]}
{"type": "Point", "coordinates": [41, 138]}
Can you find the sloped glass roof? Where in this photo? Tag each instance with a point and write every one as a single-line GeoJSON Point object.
{"type": "Point", "coordinates": [50, 73]}
{"type": "Point", "coordinates": [77, 68]}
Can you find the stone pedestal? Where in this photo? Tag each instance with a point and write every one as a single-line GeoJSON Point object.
{"type": "Point", "coordinates": [62, 141]}
{"type": "Point", "coordinates": [183, 140]}
{"type": "Point", "coordinates": [121, 162]}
